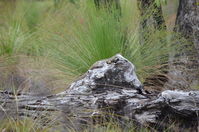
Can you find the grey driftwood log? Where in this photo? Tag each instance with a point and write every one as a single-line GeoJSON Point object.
{"type": "Point", "coordinates": [110, 88]}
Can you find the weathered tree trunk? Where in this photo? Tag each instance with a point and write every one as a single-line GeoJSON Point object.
{"type": "Point", "coordinates": [109, 89]}
{"type": "Point", "coordinates": [185, 73]}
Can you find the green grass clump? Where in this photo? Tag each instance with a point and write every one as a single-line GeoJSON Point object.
{"type": "Point", "coordinates": [95, 36]}
{"type": "Point", "coordinates": [77, 41]}
{"type": "Point", "coordinates": [18, 31]}
{"type": "Point", "coordinates": [12, 39]}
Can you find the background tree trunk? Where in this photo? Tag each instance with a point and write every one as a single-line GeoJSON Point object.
{"type": "Point", "coordinates": [151, 16]}
{"type": "Point", "coordinates": [187, 21]}
{"type": "Point", "coordinates": [149, 9]}
{"type": "Point", "coordinates": [108, 3]}
{"type": "Point", "coordinates": [151, 20]}
{"type": "Point", "coordinates": [185, 73]}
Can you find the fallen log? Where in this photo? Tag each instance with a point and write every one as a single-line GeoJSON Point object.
{"type": "Point", "coordinates": [110, 88]}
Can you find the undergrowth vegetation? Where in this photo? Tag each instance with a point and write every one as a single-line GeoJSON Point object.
{"type": "Point", "coordinates": [26, 125]}
{"type": "Point", "coordinates": [29, 125]}
{"type": "Point", "coordinates": [74, 36]}
{"type": "Point", "coordinates": [90, 34]}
